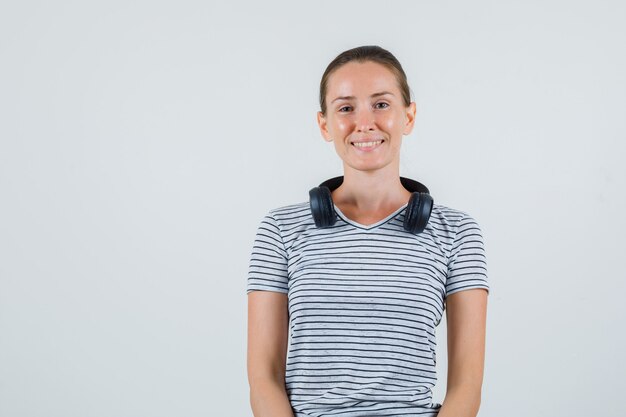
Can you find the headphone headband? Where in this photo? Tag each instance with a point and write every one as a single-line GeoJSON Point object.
{"type": "Point", "coordinates": [411, 185]}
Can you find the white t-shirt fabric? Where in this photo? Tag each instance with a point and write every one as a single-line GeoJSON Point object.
{"type": "Point", "coordinates": [364, 301]}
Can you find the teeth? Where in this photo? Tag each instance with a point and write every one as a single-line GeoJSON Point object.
{"type": "Point", "coordinates": [367, 144]}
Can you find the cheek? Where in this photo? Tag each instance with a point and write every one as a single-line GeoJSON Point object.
{"type": "Point", "coordinates": [343, 125]}
{"type": "Point", "coordinates": [391, 121]}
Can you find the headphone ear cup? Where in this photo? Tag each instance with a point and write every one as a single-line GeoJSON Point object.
{"type": "Point", "coordinates": [418, 212]}
{"type": "Point", "coordinates": [322, 208]}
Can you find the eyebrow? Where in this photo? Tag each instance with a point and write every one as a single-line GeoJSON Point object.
{"type": "Point", "coordinates": [382, 93]}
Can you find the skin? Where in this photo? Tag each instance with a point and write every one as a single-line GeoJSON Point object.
{"type": "Point", "coordinates": [466, 317]}
{"type": "Point", "coordinates": [371, 190]}
{"type": "Point", "coordinates": [268, 329]}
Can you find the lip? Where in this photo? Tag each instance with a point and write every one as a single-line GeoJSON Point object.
{"type": "Point", "coordinates": [366, 140]}
{"type": "Point", "coordinates": [368, 148]}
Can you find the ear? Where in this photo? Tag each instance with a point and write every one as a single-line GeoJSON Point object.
{"type": "Point", "coordinates": [321, 121]}
{"type": "Point", "coordinates": [410, 118]}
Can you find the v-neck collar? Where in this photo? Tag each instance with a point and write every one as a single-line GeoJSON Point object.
{"type": "Point", "coordinates": [373, 225]}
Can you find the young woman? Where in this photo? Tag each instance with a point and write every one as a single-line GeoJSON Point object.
{"type": "Point", "coordinates": [342, 315]}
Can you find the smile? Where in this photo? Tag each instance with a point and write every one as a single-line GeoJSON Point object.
{"type": "Point", "coordinates": [367, 146]}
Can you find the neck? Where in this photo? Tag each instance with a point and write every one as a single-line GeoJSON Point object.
{"type": "Point", "coordinates": [371, 191]}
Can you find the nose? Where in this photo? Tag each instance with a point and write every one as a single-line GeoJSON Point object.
{"type": "Point", "coordinates": [365, 119]}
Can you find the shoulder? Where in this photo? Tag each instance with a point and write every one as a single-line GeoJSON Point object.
{"type": "Point", "coordinates": [289, 216]}
{"type": "Point", "coordinates": [447, 219]}
{"type": "Point", "coordinates": [449, 225]}
{"type": "Point", "coordinates": [290, 212]}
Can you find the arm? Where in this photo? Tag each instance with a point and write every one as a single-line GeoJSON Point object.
{"type": "Point", "coordinates": [466, 317]}
{"type": "Point", "coordinates": [268, 329]}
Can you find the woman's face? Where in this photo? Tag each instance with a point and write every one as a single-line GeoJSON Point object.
{"type": "Point", "coordinates": [364, 104]}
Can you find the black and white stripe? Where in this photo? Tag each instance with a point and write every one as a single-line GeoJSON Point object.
{"type": "Point", "coordinates": [364, 302]}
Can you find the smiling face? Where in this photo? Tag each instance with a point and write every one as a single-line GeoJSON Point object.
{"type": "Point", "coordinates": [364, 106]}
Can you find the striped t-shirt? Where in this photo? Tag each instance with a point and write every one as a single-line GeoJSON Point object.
{"type": "Point", "coordinates": [364, 301]}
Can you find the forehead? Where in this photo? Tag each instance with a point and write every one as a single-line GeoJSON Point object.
{"type": "Point", "coordinates": [361, 78]}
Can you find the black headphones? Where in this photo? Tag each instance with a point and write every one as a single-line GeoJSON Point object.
{"type": "Point", "coordinates": [417, 210]}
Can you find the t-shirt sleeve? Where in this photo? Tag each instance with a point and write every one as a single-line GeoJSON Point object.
{"type": "Point", "coordinates": [467, 264]}
{"type": "Point", "coordinates": [267, 269]}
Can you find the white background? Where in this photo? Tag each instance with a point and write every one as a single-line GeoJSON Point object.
{"type": "Point", "coordinates": [142, 141]}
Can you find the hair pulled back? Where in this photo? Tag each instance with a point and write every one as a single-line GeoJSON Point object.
{"type": "Point", "coordinates": [361, 54]}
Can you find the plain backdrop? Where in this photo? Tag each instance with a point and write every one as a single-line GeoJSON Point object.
{"type": "Point", "coordinates": [141, 142]}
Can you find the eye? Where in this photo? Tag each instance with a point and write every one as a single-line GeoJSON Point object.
{"type": "Point", "coordinates": [382, 102]}
{"type": "Point", "coordinates": [344, 107]}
